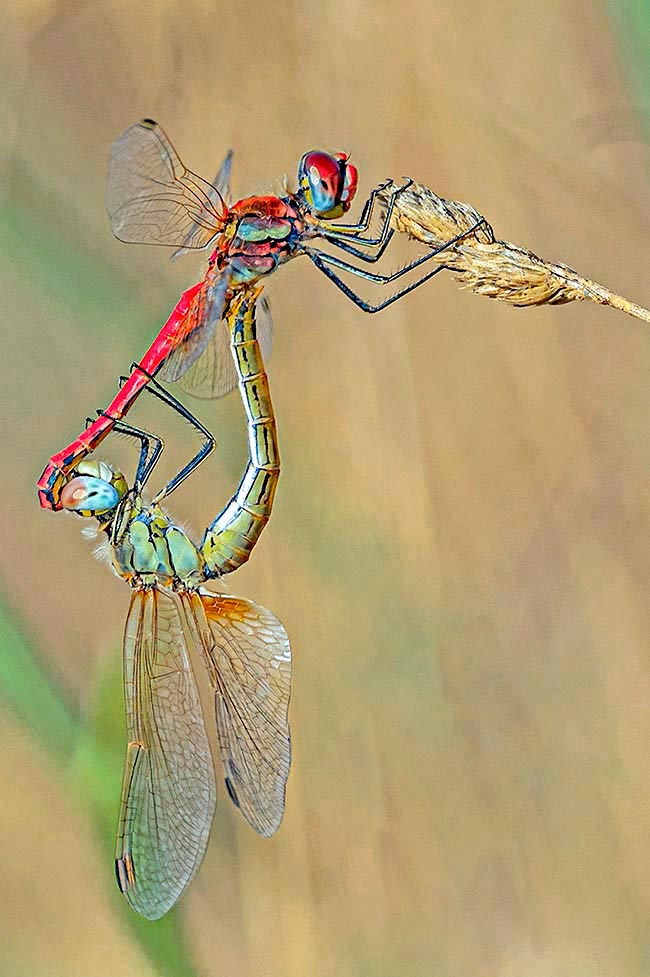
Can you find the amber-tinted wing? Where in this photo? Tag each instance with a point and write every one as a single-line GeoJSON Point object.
{"type": "Point", "coordinates": [152, 198]}
{"type": "Point", "coordinates": [215, 374]}
{"type": "Point", "coordinates": [196, 334]}
{"type": "Point", "coordinates": [248, 657]}
{"type": "Point", "coordinates": [168, 794]}
{"type": "Point", "coordinates": [218, 192]}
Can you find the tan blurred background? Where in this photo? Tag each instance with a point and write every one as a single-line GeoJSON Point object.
{"type": "Point", "coordinates": [461, 543]}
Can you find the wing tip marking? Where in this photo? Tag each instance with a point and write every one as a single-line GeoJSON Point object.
{"type": "Point", "coordinates": [125, 873]}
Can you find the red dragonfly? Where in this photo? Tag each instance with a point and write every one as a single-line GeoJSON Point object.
{"type": "Point", "coordinates": [154, 199]}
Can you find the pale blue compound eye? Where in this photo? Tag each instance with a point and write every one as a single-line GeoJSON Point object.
{"type": "Point", "coordinates": [88, 494]}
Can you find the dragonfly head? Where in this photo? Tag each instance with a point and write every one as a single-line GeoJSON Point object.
{"type": "Point", "coordinates": [94, 489]}
{"type": "Point", "coordinates": [327, 183]}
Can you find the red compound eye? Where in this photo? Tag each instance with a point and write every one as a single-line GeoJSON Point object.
{"type": "Point", "coordinates": [328, 182]}
{"type": "Point", "coordinates": [350, 182]}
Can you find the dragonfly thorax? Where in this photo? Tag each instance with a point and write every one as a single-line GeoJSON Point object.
{"type": "Point", "coordinates": [145, 546]}
{"type": "Point", "coordinates": [260, 234]}
{"type": "Point", "coordinates": [149, 549]}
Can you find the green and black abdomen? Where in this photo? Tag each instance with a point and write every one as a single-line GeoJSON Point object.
{"type": "Point", "coordinates": [229, 540]}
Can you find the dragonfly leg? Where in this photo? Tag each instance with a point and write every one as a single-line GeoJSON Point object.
{"type": "Point", "coordinates": [341, 240]}
{"type": "Point", "coordinates": [149, 454]}
{"type": "Point", "coordinates": [331, 259]}
{"type": "Point", "coordinates": [63, 462]}
{"type": "Point", "coordinates": [362, 303]}
{"type": "Point", "coordinates": [366, 215]}
{"type": "Point", "coordinates": [357, 252]}
{"type": "Point", "coordinates": [157, 390]}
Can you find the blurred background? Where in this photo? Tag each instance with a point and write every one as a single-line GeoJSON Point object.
{"type": "Point", "coordinates": [460, 549]}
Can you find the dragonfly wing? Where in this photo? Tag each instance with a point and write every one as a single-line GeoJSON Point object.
{"type": "Point", "coordinates": [168, 794]}
{"type": "Point", "coordinates": [152, 198]}
{"type": "Point", "coordinates": [219, 190]}
{"type": "Point", "coordinates": [264, 322]}
{"type": "Point", "coordinates": [198, 330]}
{"type": "Point", "coordinates": [221, 181]}
{"type": "Point", "coordinates": [215, 373]}
{"type": "Point", "coordinates": [248, 658]}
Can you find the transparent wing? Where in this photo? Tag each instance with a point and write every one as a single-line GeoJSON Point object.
{"type": "Point", "coordinates": [196, 334]}
{"type": "Point", "coordinates": [248, 657]}
{"type": "Point", "coordinates": [152, 198]}
{"type": "Point", "coordinates": [168, 794]}
{"type": "Point", "coordinates": [215, 374]}
{"type": "Point", "coordinates": [218, 192]}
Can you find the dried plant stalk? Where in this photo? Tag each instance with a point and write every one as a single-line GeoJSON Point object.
{"type": "Point", "coordinates": [483, 264]}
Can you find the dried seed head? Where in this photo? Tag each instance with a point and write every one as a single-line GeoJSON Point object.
{"type": "Point", "coordinates": [485, 265]}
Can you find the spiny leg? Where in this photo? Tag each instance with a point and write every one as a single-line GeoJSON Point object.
{"type": "Point", "coordinates": [355, 230]}
{"type": "Point", "coordinates": [366, 214]}
{"type": "Point", "coordinates": [330, 259]}
{"type": "Point", "coordinates": [366, 306]}
{"type": "Point", "coordinates": [357, 252]}
{"type": "Point", "coordinates": [341, 239]}
{"type": "Point", "coordinates": [148, 455]}
{"type": "Point", "coordinates": [156, 390]}
{"type": "Point", "coordinates": [64, 461]}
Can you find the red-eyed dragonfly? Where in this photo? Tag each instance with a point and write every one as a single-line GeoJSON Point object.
{"type": "Point", "coordinates": [168, 792]}
{"type": "Point", "coordinates": [153, 198]}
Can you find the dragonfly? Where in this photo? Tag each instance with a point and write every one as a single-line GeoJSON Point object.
{"type": "Point", "coordinates": [153, 198]}
{"type": "Point", "coordinates": [169, 792]}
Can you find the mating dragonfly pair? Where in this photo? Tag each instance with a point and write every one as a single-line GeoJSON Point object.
{"type": "Point", "coordinates": [216, 338]}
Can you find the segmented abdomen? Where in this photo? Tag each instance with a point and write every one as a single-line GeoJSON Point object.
{"type": "Point", "coordinates": [229, 540]}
